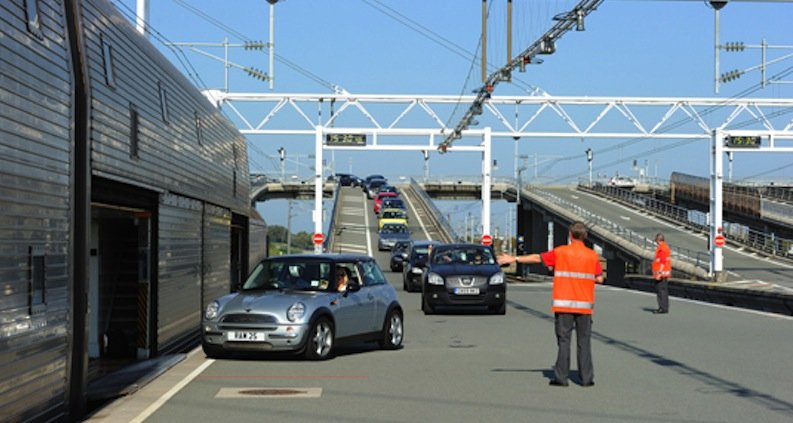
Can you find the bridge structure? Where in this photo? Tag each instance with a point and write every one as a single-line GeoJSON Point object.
{"type": "Point", "coordinates": [380, 122]}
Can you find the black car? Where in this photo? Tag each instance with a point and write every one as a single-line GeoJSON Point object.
{"type": "Point", "coordinates": [414, 264]}
{"type": "Point", "coordinates": [388, 188]}
{"type": "Point", "coordinates": [398, 255]}
{"type": "Point", "coordinates": [346, 179]}
{"type": "Point", "coordinates": [370, 178]}
{"type": "Point", "coordinates": [463, 275]}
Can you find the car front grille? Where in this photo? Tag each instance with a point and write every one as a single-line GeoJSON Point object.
{"type": "Point", "coordinates": [465, 281]}
{"type": "Point", "coordinates": [249, 318]}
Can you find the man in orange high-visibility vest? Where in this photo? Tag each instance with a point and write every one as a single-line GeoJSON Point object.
{"type": "Point", "coordinates": [662, 271]}
{"type": "Point", "coordinates": [576, 270]}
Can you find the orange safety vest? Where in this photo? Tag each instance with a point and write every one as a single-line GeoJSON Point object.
{"type": "Point", "coordinates": [575, 271]}
{"type": "Point", "coordinates": [662, 265]}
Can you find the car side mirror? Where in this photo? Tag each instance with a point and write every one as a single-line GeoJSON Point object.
{"type": "Point", "coordinates": [353, 286]}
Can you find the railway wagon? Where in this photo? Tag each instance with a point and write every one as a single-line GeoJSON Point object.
{"type": "Point", "coordinates": [125, 204]}
{"type": "Point", "coordinates": [696, 189]}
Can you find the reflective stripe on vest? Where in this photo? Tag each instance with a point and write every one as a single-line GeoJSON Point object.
{"type": "Point", "coordinates": [577, 275]}
{"type": "Point", "coordinates": [573, 304]}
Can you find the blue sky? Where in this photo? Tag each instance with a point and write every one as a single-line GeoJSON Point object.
{"type": "Point", "coordinates": [630, 48]}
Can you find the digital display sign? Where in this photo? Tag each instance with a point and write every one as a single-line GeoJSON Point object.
{"type": "Point", "coordinates": [743, 141]}
{"type": "Point", "coordinates": [346, 140]}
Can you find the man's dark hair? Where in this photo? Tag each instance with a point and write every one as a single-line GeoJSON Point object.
{"type": "Point", "coordinates": [659, 237]}
{"type": "Point", "coordinates": [578, 231]}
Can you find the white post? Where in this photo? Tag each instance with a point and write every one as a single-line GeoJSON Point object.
{"type": "Point", "coordinates": [486, 166]}
{"type": "Point", "coordinates": [318, 186]}
{"type": "Point", "coordinates": [716, 198]}
{"type": "Point", "coordinates": [142, 16]}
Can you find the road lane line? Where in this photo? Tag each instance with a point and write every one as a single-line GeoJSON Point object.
{"type": "Point", "coordinates": [173, 391]}
{"type": "Point", "coordinates": [421, 223]}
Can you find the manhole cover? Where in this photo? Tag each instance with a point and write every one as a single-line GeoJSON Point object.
{"type": "Point", "coordinates": [269, 392]}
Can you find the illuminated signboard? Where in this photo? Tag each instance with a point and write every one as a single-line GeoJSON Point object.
{"type": "Point", "coordinates": [743, 141]}
{"type": "Point", "coordinates": [346, 140]}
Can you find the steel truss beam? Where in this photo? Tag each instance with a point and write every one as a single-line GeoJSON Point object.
{"type": "Point", "coordinates": [508, 116]}
{"type": "Point", "coordinates": [384, 116]}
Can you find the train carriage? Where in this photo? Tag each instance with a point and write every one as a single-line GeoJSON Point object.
{"type": "Point", "coordinates": [125, 204]}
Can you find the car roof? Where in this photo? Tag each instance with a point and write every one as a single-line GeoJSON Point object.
{"type": "Point", "coordinates": [461, 245]}
{"type": "Point", "coordinates": [335, 257]}
{"type": "Point", "coordinates": [425, 242]}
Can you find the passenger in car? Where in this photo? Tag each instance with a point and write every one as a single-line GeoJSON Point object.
{"type": "Point", "coordinates": [342, 279]}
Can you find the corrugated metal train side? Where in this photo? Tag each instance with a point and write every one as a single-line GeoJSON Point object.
{"type": "Point", "coordinates": [125, 203]}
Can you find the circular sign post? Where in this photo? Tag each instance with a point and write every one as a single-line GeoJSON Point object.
{"type": "Point", "coordinates": [318, 238]}
{"type": "Point", "coordinates": [487, 240]}
{"type": "Point", "coordinates": [719, 240]}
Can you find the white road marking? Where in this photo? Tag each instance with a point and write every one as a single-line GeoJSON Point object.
{"type": "Point", "coordinates": [421, 223]}
{"type": "Point", "coordinates": [625, 218]}
{"type": "Point", "coordinates": [173, 391]}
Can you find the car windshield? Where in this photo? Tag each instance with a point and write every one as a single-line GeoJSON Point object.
{"type": "Point", "coordinates": [301, 275]}
{"type": "Point", "coordinates": [394, 229]}
{"type": "Point", "coordinates": [393, 203]}
{"type": "Point", "coordinates": [463, 255]}
{"type": "Point", "coordinates": [393, 215]}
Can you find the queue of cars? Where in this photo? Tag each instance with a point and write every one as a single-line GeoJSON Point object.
{"type": "Point", "coordinates": [309, 304]}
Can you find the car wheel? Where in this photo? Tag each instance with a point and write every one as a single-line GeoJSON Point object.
{"type": "Point", "coordinates": [212, 351]}
{"type": "Point", "coordinates": [500, 309]}
{"type": "Point", "coordinates": [426, 307]}
{"type": "Point", "coordinates": [393, 331]}
{"type": "Point", "coordinates": [319, 345]}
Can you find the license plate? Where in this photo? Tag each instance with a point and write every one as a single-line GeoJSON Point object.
{"type": "Point", "coordinates": [246, 336]}
{"type": "Point", "coordinates": [466, 291]}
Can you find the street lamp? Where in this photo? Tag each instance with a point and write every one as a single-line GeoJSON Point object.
{"type": "Point", "coordinates": [589, 160]}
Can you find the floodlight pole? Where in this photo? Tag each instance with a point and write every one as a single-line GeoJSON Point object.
{"type": "Point", "coordinates": [486, 180]}
{"type": "Point", "coordinates": [318, 186]}
{"type": "Point", "coordinates": [716, 199]}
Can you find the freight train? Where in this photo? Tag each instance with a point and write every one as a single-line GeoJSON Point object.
{"type": "Point", "coordinates": [125, 204]}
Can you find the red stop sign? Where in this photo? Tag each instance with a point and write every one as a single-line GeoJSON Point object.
{"type": "Point", "coordinates": [487, 240]}
{"type": "Point", "coordinates": [318, 238]}
{"type": "Point", "coordinates": [719, 240]}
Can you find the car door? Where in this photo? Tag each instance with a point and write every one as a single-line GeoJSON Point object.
{"type": "Point", "coordinates": [354, 309]}
{"type": "Point", "coordinates": [374, 283]}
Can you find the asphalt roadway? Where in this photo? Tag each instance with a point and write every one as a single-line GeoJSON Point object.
{"type": "Point", "coordinates": [700, 363]}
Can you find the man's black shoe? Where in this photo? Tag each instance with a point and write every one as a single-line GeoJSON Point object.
{"type": "Point", "coordinates": [587, 385]}
{"type": "Point", "coordinates": [555, 382]}
{"type": "Point", "coordinates": [660, 311]}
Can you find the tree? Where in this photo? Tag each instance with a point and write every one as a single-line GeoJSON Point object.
{"type": "Point", "coordinates": [277, 233]}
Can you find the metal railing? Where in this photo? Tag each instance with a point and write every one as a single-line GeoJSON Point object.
{"type": "Point", "coordinates": [439, 218]}
{"type": "Point", "coordinates": [739, 234]}
{"type": "Point", "coordinates": [697, 258]}
{"type": "Point", "coordinates": [331, 230]}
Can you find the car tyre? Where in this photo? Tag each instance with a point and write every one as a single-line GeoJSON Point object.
{"type": "Point", "coordinates": [393, 331]}
{"type": "Point", "coordinates": [320, 342]}
{"type": "Point", "coordinates": [426, 307]}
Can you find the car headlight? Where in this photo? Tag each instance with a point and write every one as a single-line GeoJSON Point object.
{"type": "Point", "coordinates": [296, 312]}
{"type": "Point", "coordinates": [434, 279]}
{"type": "Point", "coordinates": [212, 310]}
{"type": "Point", "coordinates": [416, 271]}
{"type": "Point", "coordinates": [497, 279]}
